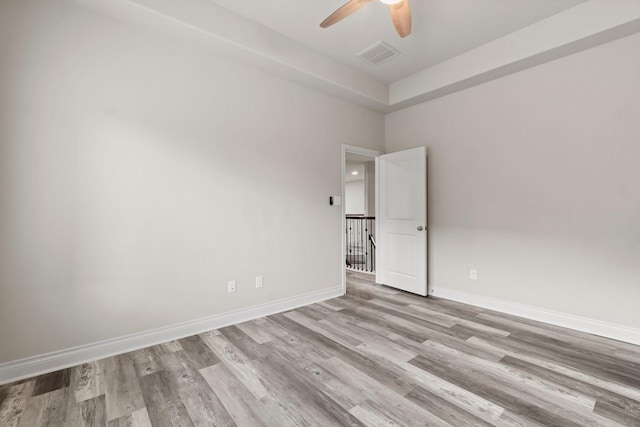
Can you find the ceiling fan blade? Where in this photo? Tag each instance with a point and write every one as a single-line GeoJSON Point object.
{"type": "Point", "coordinates": [401, 16]}
{"type": "Point", "coordinates": [344, 11]}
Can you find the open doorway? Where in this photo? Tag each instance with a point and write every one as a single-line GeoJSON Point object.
{"type": "Point", "coordinates": [359, 206]}
{"type": "Point", "coordinates": [396, 238]}
{"type": "Point", "coordinates": [358, 211]}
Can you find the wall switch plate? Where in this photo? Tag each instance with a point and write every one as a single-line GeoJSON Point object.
{"type": "Point", "coordinates": [258, 282]}
{"type": "Point", "coordinates": [231, 286]}
{"type": "Point", "coordinates": [473, 274]}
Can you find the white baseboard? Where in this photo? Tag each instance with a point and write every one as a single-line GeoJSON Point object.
{"type": "Point", "coordinates": [50, 362]}
{"type": "Point", "coordinates": [578, 323]}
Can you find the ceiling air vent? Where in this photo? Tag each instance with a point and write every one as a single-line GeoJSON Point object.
{"type": "Point", "coordinates": [378, 53]}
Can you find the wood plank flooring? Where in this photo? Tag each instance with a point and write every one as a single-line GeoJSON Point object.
{"type": "Point", "coordinates": [375, 357]}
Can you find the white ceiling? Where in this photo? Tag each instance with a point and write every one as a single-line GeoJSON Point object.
{"type": "Point", "coordinates": [441, 29]}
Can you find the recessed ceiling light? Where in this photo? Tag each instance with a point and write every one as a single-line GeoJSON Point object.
{"type": "Point", "coordinates": [354, 173]}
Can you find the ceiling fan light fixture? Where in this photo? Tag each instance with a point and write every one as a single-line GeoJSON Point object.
{"type": "Point", "coordinates": [400, 14]}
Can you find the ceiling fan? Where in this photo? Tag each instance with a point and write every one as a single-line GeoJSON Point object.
{"type": "Point", "coordinates": [400, 14]}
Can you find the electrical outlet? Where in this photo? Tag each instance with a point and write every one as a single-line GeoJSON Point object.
{"type": "Point", "coordinates": [231, 286]}
{"type": "Point", "coordinates": [473, 274]}
{"type": "Point", "coordinates": [258, 282]}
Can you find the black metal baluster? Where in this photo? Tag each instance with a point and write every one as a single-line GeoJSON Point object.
{"type": "Point", "coordinates": [360, 243]}
{"type": "Point", "coordinates": [369, 245]}
{"type": "Point", "coordinates": [349, 257]}
{"type": "Point", "coordinates": [365, 244]}
{"type": "Point", "coordinates": [372, 245]}
{"type": "Point", "coordinates": [372, 250]}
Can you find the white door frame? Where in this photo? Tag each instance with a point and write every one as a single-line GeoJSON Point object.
{"type": "Point", "coordinates": [356, 150]}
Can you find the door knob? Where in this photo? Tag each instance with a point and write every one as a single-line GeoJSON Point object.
{"type": "Point", "coordinates": [420, 228]}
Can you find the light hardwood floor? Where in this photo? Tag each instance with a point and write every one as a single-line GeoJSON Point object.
{"type": "Point", "coordinates": [373, 357]}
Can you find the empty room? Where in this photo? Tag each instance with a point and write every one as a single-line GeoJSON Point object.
{"type": "Point", "coordinates": [319, 213]}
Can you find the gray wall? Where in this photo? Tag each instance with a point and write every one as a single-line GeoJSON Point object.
{"type": "Point", "coordinates": [139, 173]}
{"type": "Point", "coordinates": [355, 197]}
{"type": "Point", "coordinates": [370, 173]}
{"type": "Point", "coordinates": [533, 180]}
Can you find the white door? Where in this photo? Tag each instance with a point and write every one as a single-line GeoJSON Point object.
{"type": "Point", "coordinates": [401, 213]}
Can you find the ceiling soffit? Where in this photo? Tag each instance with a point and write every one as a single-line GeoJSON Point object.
{"type": "Point", "coordinates": [233, 36]}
